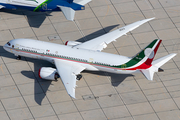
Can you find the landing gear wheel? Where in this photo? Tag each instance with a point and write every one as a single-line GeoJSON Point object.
{"type": "Point", "coordinates": [18, 57]}
{"type": "Point", "coordinates": [56, 77]}
{"type": "Point", "coordinates": [78, 77]}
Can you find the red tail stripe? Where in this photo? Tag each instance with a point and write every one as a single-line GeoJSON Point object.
{"type": "Point", "coordinates": [66, 43]}
{"type": "Point", "coordinates": [149, 61]}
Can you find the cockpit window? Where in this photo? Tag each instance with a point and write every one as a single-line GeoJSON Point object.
{"type": "Point", "coordinates": [8, 43]}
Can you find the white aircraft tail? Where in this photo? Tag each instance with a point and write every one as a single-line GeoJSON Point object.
{"type": "Point", "coordinates": [155, 66]}
{"type": "Point", "coordinates": [70, 6]}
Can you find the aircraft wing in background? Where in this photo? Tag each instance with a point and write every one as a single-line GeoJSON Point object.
{"type": "Point", "coordinates": [101, 42]}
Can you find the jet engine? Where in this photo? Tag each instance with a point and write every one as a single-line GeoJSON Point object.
{"type": "Point", "coordinates": [48, 73]}
{"type": "Point", "coordinates": [72, 43]}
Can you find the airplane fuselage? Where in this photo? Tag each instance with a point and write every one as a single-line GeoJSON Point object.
{"type": "Point", "coordinates": [91, 60]}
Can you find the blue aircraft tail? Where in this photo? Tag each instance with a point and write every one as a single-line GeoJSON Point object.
{"type": "Point", "coordinates": [70, 6]}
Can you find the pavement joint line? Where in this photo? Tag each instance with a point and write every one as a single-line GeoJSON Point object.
{"type": "Point", "coordinates": [103, 72]}
{"type": "Point", "coordinates": [77, 108]}
{"type": "Point", "coordinates": [151, 4]}
{"type": "Point", "coordinates": [134, 77]}
{"type": "Point", "coordinates": [80, 30]}
{"type": "Point", "coordinates": [18, 89]}
{"type": "Point", "coordinates": [95, 99]}
{"type": "Point", "coordinates": [97, 19]}
{"type": "Point", "coordinates": [4, 109]}
{"type": "Point", "coordinates": [148, 101]}
{"type": "Point", "coordinates": [16, 84]}
{"type": "Point", "coordinates": [143, 90]}
{"type": "Point", "coordinates": [31, 29]}
{"type": "Point", "coordinates": [169, 16]}
{"type": "Point", "coordinates": [177, 29]}
{"type": "Point", "coordinates": [54, 29]}
{"type": "Point", "coordinates": [43, 91]}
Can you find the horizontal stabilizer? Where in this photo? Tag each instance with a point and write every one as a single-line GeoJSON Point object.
{"type": "Point", "coordinates": [156, 64]}
{"type": "Point", "coordinates": [68, 12]}
{"type": "Point", "coordinates": [161, 61]}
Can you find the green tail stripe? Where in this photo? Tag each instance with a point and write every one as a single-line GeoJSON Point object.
{"type": "Point", "coordinates": [137, 58]}
{"type": "Point", "coordinates": [42, 5]}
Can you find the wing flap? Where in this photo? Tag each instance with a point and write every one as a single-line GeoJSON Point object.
{"type": "Point", "coordinates": [68, 71]}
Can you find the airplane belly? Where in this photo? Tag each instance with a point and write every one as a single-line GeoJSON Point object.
{"type": "Point", "coordinates": [117, 71]}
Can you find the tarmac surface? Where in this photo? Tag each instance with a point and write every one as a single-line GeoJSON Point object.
{"type": "Point", "coordinates": [100, 95]}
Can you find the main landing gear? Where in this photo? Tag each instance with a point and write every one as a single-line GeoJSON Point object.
{"type": "Point", "coordinates": [18, 57]}
{"type": "Point", "coordinates": [78, 77]}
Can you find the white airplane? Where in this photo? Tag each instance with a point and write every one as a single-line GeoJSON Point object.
{"type": "Point", "coordinates": [68, 7]}
{"type": "Point", "coordinates": [75, 57]}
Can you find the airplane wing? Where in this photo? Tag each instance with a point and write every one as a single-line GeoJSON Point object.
{"type": "Point", "coordinates": [68, 71]}
{"type": "Point", "coordinates": [101, 42]}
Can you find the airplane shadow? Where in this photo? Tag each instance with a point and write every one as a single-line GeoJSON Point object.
{"type": "Point", "coordinates": [34, 19]}
{"type": "Point", "coordinates": [116, 79]}
{"type": "Point", "coordinates": [97, 33]}
{"type": "Point", "coordinates": [40, 86]}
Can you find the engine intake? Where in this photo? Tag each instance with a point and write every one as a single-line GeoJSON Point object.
{"type": "Point", "coordinates": [48, 73]}
{"type": "Point", "coordinates": [72, 43]}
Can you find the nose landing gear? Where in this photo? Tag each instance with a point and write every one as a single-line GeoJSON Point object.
{"type": "Point", "coordinates": [18, 57]}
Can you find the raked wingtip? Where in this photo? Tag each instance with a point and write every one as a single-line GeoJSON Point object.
{"type": "Point", "coordinates": [149, 19]}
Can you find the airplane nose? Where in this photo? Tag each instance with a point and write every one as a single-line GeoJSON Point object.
{"type": "Point", "coordinates": [5, 47]}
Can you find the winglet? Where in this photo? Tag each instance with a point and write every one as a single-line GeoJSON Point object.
{"type": "Point", "coordinates": [138, 23]}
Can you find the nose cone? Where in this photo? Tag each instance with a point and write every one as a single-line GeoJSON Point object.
{"type": "Point", "coordinates": [6, 47]}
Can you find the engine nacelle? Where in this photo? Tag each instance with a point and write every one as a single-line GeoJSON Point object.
{"type": "Point", "coordinates": [48, 73]}
{"type": "Point", "coordinates": [72, 43]}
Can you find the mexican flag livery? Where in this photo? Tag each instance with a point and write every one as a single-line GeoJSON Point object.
{"type": "Point", "coordinates": [68, 7]}
{"type": "Point", "coordinates": [143, 61]}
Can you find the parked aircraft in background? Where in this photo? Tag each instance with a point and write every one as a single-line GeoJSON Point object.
{"type": "Point", "coordinates": [74, 57]}
{"type": "Point", "coordinates": [68, 7]}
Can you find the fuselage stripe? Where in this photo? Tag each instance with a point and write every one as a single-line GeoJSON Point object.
{"type": "Point", "coordinates": [39, 54]}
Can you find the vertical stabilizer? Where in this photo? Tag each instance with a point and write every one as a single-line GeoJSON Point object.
{"type": "Point", "coordinates": [70, 6]}
{"type": "Point", "coordinates": [155, 66]}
